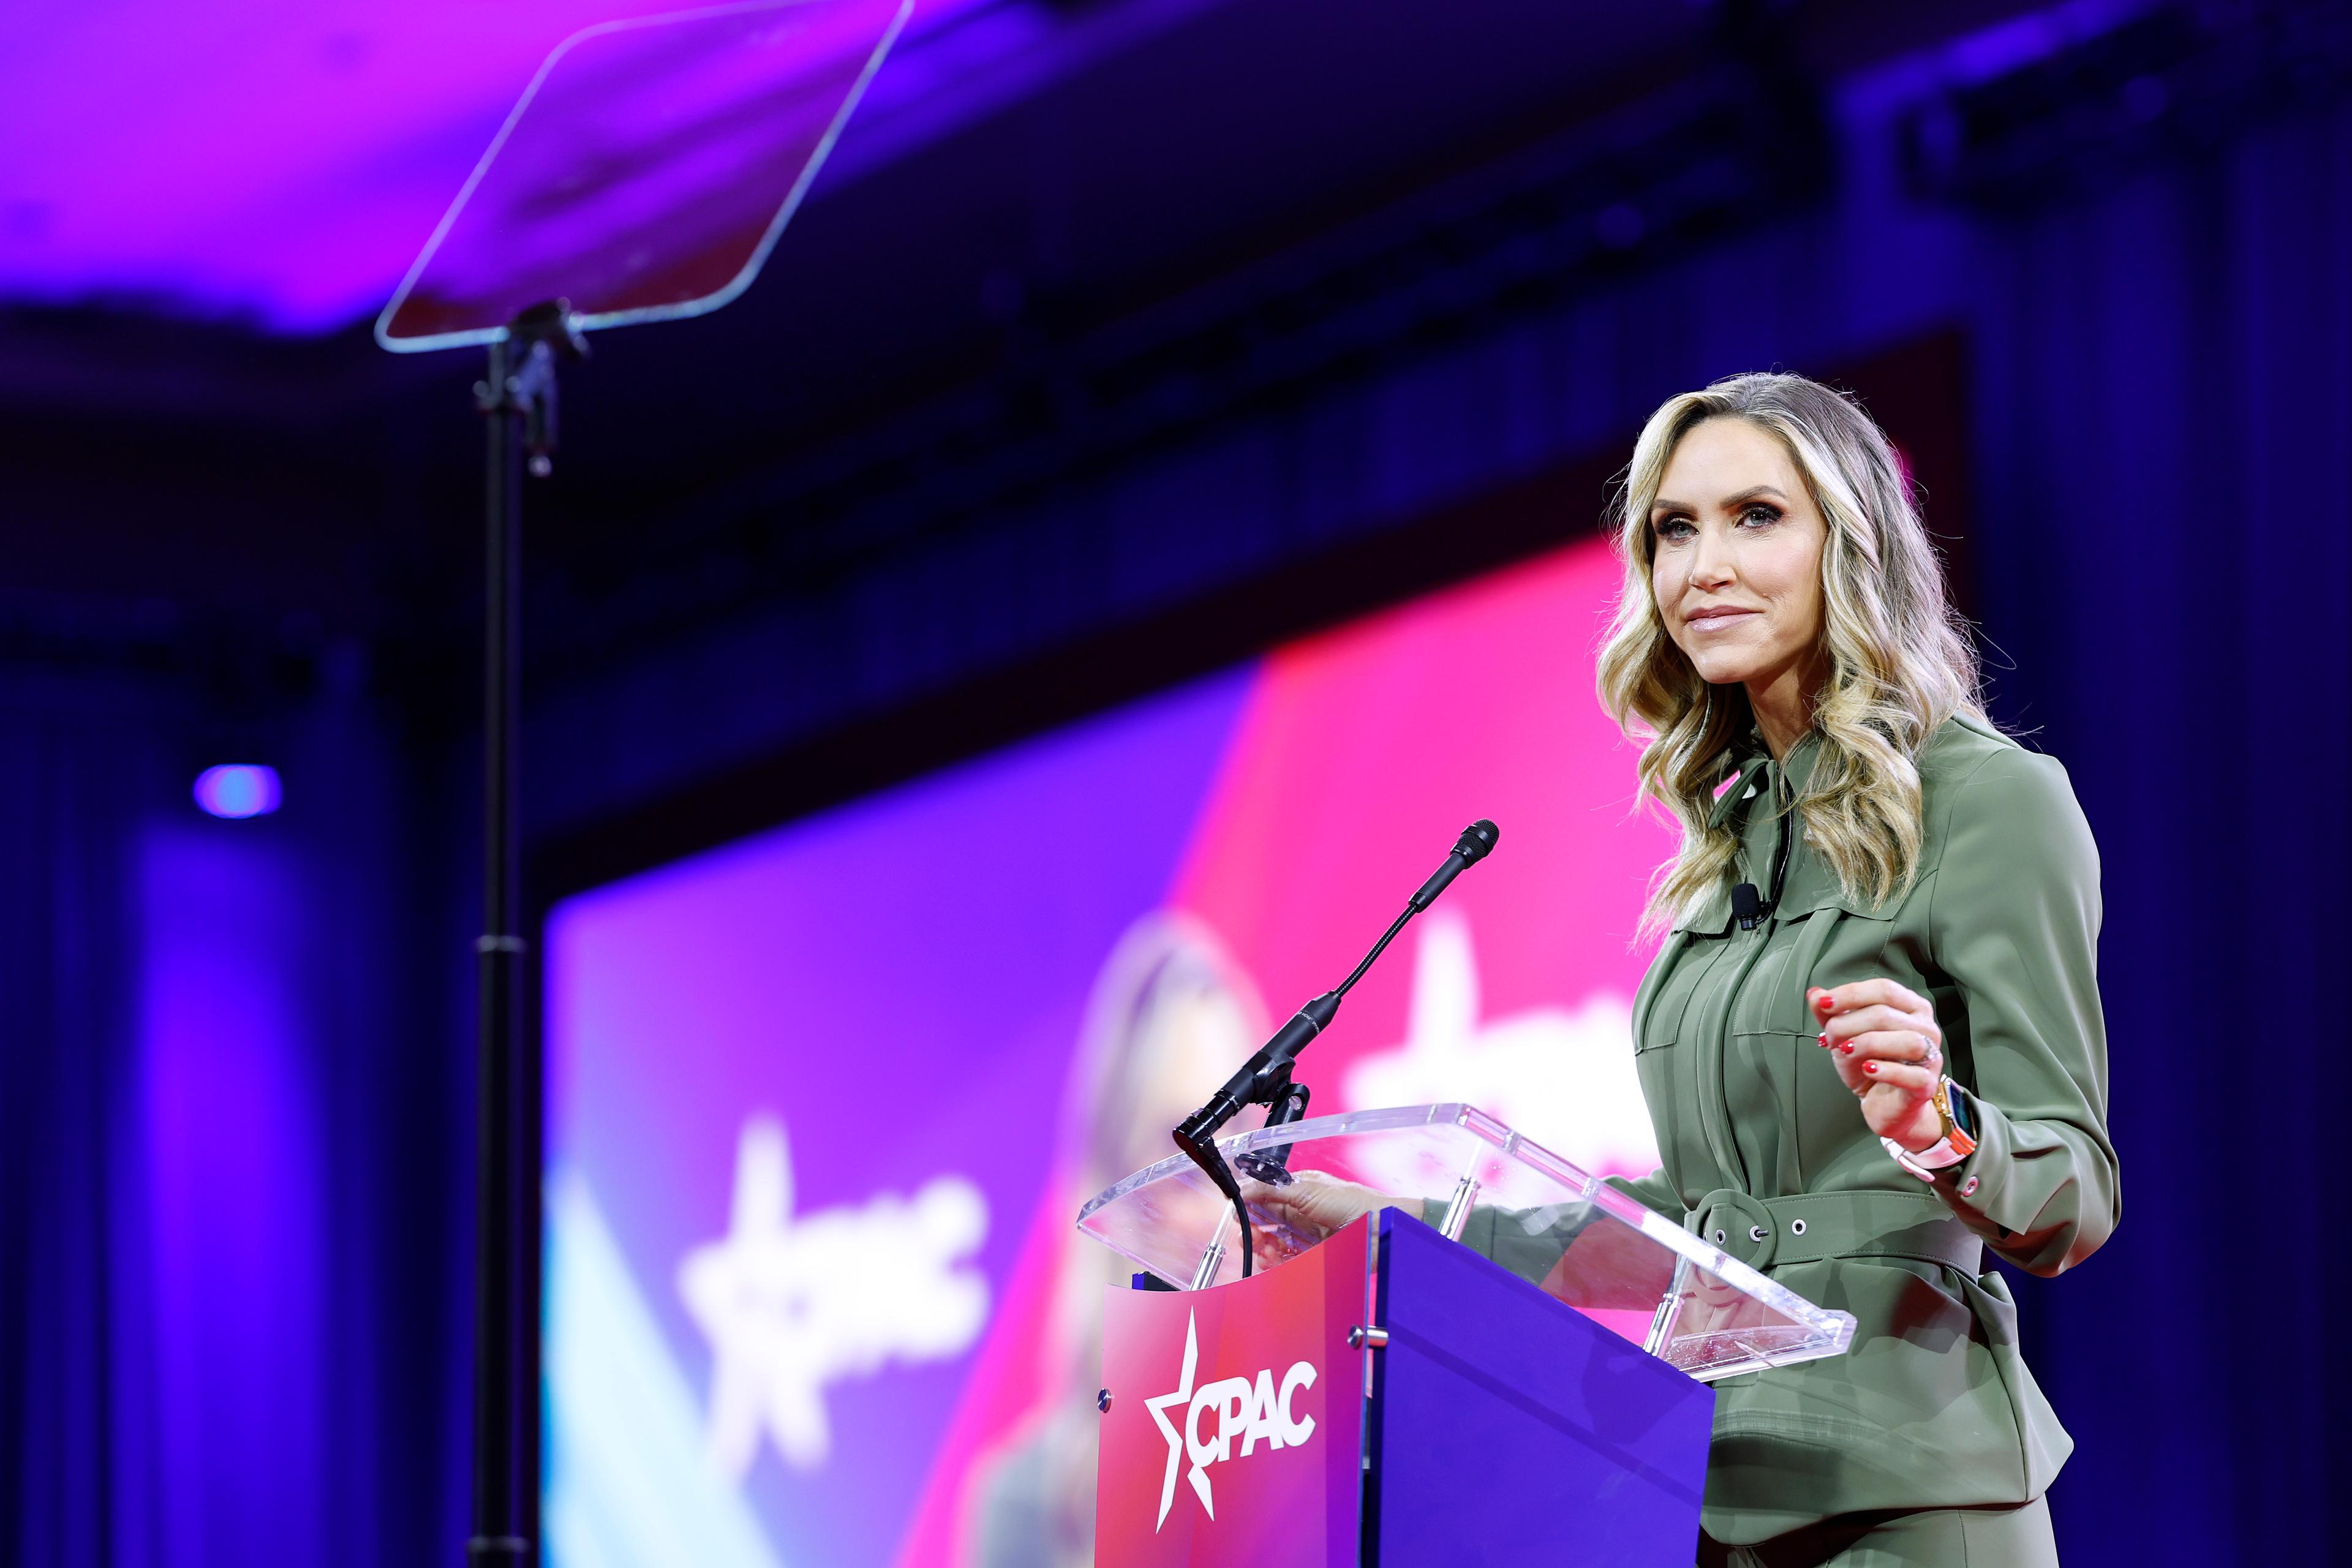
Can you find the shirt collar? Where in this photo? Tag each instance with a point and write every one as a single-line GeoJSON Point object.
{"type": "Point", "coordinates": [1757, 771]}
{"type": "Point", "coordinates": [1808, 886]}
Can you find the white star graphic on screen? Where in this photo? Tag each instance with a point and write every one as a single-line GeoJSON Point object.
{"type": "Point", "coordinates": [1564, 1078]}
{"type": "Point", "coordinates": [1181, 1399]}
{"type": "Point", "coordinates": [791, 1305]}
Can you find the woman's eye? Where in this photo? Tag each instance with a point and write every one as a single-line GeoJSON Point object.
{"type": "Point", "coordinates": [1671, 529]}
{"type": "Point", "coordinates": [1760, 516]}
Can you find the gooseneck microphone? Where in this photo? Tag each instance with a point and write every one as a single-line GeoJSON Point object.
{"type": "Point", "coordinates": [1468, 850]}
{"type": "Point", "coordinates": [1264, 1079]}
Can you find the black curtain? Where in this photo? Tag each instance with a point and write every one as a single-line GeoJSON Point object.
{"type": "Point", "coordinates": [232, 1147]}
{"type": "Point", "coordinates": [2166, 537]}
{"type": "Point", "coordinates": [80, 766]}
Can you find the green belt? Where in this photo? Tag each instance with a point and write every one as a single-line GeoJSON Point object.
{"type": "Point", "coordinates": [1773, 1232]}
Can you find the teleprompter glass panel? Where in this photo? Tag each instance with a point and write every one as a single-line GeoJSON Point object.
{"type": "Point", "coordinates": [648, 170]}
{"type": "Point", "coordinates": [1572, 1235]}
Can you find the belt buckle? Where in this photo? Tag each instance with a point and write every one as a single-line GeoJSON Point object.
{"type": "Point", "coordinates": [1736, 1223]}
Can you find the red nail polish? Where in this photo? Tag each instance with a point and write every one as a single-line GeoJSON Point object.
{"type": "Point", "coordinates": [1870, 1067]}
{"type": "Point", "coordinates": [1825, 1040]}
{"type": "Point", "coordinates": [1846, 1047]}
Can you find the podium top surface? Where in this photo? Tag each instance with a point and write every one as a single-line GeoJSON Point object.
{"type": "Point", "coordinates": [1529, 1210]}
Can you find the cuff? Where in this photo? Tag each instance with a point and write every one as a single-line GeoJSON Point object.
{"type": "Point", "coordinates": [1972, 1188]}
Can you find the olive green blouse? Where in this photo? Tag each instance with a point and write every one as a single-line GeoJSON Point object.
{"type": "Point", "coordinates": [1932, 1407]}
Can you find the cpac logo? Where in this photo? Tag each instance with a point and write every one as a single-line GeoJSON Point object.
{"type": "Point", "coordinates": [1253, 1411]}
{"type": "Point", "coordinates": [793, 1304]}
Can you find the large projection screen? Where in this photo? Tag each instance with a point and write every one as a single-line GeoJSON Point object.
{"type": "Point", "coordinates": [823, 1103]}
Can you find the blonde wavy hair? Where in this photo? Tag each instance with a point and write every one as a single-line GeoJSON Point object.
{"type": "Point", "coordinates": [1899, 659]}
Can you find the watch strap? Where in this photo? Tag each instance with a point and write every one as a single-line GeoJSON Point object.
{"type": "Point", "coordinates": [1957, 1143]}
{"type": "Point", "coordinates": [1942, 1155]}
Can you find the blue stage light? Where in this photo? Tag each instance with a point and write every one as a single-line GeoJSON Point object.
{"type": "Point", "coordinates": [238, 789]}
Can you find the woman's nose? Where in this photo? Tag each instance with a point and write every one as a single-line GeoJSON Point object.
{"type": "Point", "coordinates": [1710, 562]}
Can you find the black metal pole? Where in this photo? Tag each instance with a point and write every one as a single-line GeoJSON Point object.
{"type": "Point", "coordinates": [517, 400]}
{"type": "Point", "coordinates": [504, 1230]}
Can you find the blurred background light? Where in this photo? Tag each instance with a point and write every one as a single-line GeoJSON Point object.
{"type": "Point", "coordinates": [238, 789]}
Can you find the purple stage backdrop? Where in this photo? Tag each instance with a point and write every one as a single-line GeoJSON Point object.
{"type": "Point", "coordinates": [823, 1103]}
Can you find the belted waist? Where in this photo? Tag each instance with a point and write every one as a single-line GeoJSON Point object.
{"type": "Point", "coordinates": [1807, 1227]}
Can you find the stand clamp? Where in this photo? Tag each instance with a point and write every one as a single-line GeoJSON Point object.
{"type": "Point", "coordinates": [522, 379]}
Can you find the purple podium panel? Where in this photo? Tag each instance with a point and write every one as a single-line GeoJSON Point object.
{"type": "Point", "coordinates": [1508, 1427]}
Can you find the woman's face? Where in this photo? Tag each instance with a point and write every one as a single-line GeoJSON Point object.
{"type": "Point", "coordinates": [1736, 563]}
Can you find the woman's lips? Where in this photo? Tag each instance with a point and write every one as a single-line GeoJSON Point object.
{"type": "Point", "coordinates": [1714, 619]}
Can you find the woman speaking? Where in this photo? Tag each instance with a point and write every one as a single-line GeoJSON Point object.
{"type": "Point", "coordinates": [1879, 986]}
{"type": "Point", "coordinates": [1871, 1042]}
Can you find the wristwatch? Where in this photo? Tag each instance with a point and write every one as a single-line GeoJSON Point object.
{"type": "Point", "coordinates": [1956, 1145]}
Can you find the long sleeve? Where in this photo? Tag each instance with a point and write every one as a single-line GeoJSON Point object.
{"type": "Point", "coordinates": [2014, 924]}
{"type": "Point", "coordinates": [1652, 1192]}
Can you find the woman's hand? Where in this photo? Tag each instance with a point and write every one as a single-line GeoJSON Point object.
{"type": "Point", "coordinates": [1888, 1049]}
{"type": "Point", "coordinates": [1310, 1208]}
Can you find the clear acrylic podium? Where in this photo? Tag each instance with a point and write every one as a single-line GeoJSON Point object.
{"type": "Point", "coordinates": [1570, 1234]}
{"type": "Point", "coordinates": [1383, 1397]}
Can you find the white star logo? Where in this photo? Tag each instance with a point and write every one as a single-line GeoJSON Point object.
{"type": "Point", "coordinates": [1246, 1411]}
{"type": "Point", "coordinates": [1181, 1399]}
{"type": "Point", "coordinates": [791, 1305]}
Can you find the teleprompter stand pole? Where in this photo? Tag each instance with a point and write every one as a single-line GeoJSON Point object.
{"type": "Point", "coordinates": [517, 400]}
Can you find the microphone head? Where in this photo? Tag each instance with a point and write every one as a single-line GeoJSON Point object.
{"type": "Point", "coordinates": [1475, 841]}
